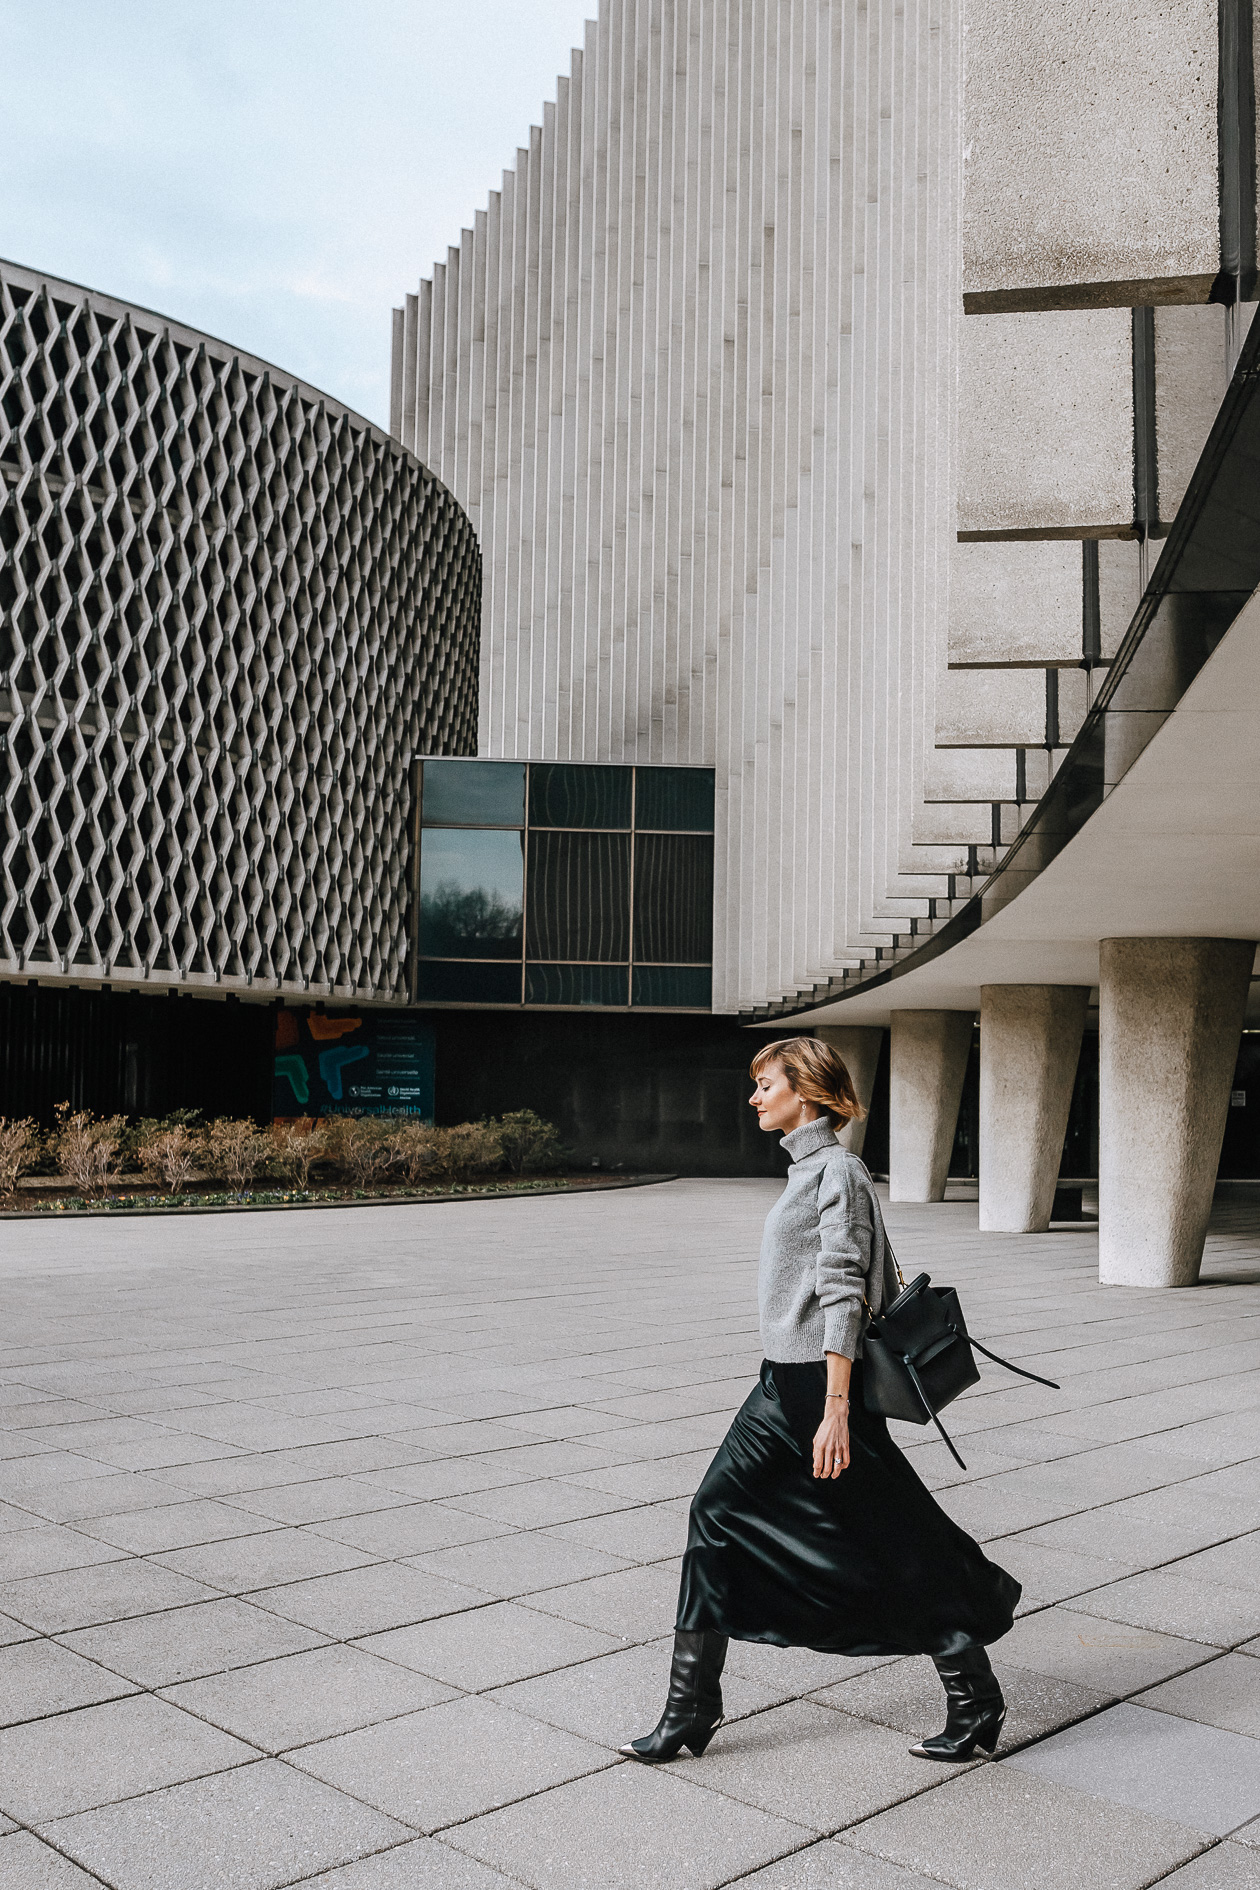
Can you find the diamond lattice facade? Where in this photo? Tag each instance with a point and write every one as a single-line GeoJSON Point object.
{"type": "Point", "coordinates": [232, 612]}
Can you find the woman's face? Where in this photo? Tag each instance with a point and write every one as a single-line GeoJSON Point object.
{"type": "Point", "coordinates": [778, 1106]}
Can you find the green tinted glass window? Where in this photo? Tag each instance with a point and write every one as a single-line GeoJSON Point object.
{"type": "Point", "coordinates": [674, 987]}
{"type": "Point", "coordinates": [471, 887]}
{"type": "Point", "coordinates": [576, 984]}
{"type": "Point", "coordinates": [443, 981]}
{"type": "Point", "coordinates": [674, 800]}
{"type": "Point", "coordinates": [565, 795]}
{"type": "Point", "coordinates": [473, 794]}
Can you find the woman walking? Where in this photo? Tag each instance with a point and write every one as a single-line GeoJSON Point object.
{"type": "Point", "coordinates": [810, 1529]}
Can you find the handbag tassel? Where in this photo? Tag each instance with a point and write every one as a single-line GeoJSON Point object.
{"type": "Point", "coordinates": [914, 1379]}
{"type": "Point", "coordinates": [1012, 1368]}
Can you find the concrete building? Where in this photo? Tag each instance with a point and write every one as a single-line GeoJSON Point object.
{"type": "Point", "coordinates": [232, 613]}
{"type": "Point", "coordinates": [857, 402]}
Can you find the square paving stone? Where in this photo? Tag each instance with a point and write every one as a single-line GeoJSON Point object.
{"type": "Point", "coordinates": [1224, 1693]}
{"type": "Point", "coordinates": [1233, 1564]}
{"type": "Point", "coordinates": [409, 1529]}
{"type": "Point", "coordinates": [156, 1650]}
{"type": "Point", "coordinates": [99, 1496]}
{"type": "Point", "coordinates": [323, 1499]}
{"type": "Point", "coordinates": [80, 1597]}
{"type": "Point", "coordinates": [828, 1865]}
{"type": "Point", "coordinates": [811, 1765]}
{"type": "Point", "coordinates": [619, 1696]}
{"type": "Point", "coordinates": [451, 1476]}
{"type": "Point", "coordinates": [1054, 1574]}
{"type": "Point", "coordinates": [519, 1564]}
{"type": "Point", "coordinates": [51, 1767]}
{"type": "Point", "coordinates": [447, 1763]}
{"type": "Point", "coordinates": [790, 1671]}
{"type": "Point", "coordinates": [634, 1827]}
{"type": "Point", "coordinates": [27, 1863]}
{"type": "Point", "coordinates": [652, 1482]}
{"type": "Point", "coordinates": [1000, 1829]}
{"type": "Point", "coordinates": [532, 1505]}
{"type": "Point", "coordinates": [424, 1864]}
{"type": "Point", "coordinates": [490, 1646]}
{"type": "Point", "coordinates": [38, 1677]}
{"type": "Point", "coordinates": [289, 1702]}
{"type": "Point", "coordinates": [47, 1547]}
{"type": "Point", "coordinates": [1173, 1603]}
{"type": "Point", "coordinates": [264, 1561]}
{"type": "Point", "coordinates": [171, 1526]}
{"type": "Point", "coordinates": [637, 1604]}
{"type": "Point", "coordinates": [1227, 1866]}
{"type": "Point", "coordinates": [652, 1532]}
{"type": "Point", "coordinates": [908, 1697]}
{"type": "Point", "coordinates": [1107, 1657]}
{"type": "Point", "coordinates": [1206, 1779]}
{"type": "Point", "coordinates": [254, 1828]}
{"type": "Point", "coordinates": [368, 1600]}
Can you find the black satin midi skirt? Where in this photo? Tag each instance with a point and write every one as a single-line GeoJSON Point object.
{"type": "Point", "coordinates": [863, 1563]}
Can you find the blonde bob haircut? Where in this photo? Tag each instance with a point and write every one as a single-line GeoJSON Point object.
{"type": "Point", "coordinates": [817, 1073]}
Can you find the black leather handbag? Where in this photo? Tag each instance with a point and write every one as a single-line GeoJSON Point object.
{"type": "Point", "coordinates": [917, 1357]}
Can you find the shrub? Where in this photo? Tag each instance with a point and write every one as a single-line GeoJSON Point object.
{"type": "Point", "coordinates": [470, 1148]}
{"type": "Point", "coordinates": [365, 1148]}
{"type": "Point", "coordinates": [21, 1146]}
{"type": "Point", "coordinates": [169, 1155]}
{"type": "Point", "coordinates": [134, 1139]}
{"type": "Point", "coordinates": [234, 1149]}
{"type": "Point", "coordinates": [529, 1142]}
{"type": "Point", "coordinates": [296, 1147]}
{"type": "Point", "coordinates": [414, 1147]}
{"type": "Point", "coordinates": [87, 1147]}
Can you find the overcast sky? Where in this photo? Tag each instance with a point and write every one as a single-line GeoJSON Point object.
{"type": "Point", "coordinates": [276, 172]}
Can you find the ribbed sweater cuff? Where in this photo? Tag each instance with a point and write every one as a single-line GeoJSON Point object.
{"type": "Point", "coordinates": [842, 1328]}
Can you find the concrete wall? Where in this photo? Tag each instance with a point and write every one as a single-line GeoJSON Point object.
{"type": "Point", "coordinates": [692, 373]}
{"type": "Point", "coordinates": [1091, 152]}
{"type": "Point", "coordinates": [1014, 604]}
{"type": "Point", "coordinates": [1046, 422]}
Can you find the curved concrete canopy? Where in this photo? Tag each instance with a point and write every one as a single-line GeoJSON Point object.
{"type": "Point", "coordinates": [1172, 852]}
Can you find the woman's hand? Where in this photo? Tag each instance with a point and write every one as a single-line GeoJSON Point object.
{"type": "Point", "coordinates": [831, 1440]}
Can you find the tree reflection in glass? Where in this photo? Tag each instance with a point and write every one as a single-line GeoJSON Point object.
{"type": "Point", "coordinates": [471, 883]}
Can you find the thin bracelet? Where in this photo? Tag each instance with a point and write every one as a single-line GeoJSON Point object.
{"type": "Point", "coordinates": [839, 1394]}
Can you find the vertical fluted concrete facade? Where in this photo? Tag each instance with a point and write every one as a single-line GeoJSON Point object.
{"type": "Point", "coordinates": [691, 372]}
{"type": "Point", "coordinates": [1030, 1045]}
{"type": "Point", "coordinates": [1169, 1021]}
{"type": "Point", "coordinates": [860, 1047]}
{"type": "Point", "coordinates": [927, 1069]}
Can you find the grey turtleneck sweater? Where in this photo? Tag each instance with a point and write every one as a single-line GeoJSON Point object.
{"type": "Point", "coordinates": [823, 1251]}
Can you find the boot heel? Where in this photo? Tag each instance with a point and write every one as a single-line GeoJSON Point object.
{"type": "Point", "coordinates": [696, 1742]}
{"type": "Point", "coordinates": [987, 1740]}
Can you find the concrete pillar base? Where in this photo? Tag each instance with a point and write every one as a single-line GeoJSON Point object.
{"type": "Point", "coordinates": [928, 1067]}
{"type": "Point", "coordinates": [1030, 1044]}
{"type": "Point", "coordinates": [860, 1046]}
{"type": "Point", "coordinates": [1170, 1019]}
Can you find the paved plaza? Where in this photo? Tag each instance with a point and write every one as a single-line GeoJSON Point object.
{"type": "Point", "coordinates": [341, 1548]}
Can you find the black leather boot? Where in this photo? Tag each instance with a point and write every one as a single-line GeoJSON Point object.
{"type": "Point", "coordinates": [976, 1709]}
{"type": "Point", "coordinates": [693, 1710]}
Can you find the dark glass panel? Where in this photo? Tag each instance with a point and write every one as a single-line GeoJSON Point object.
{"type": "Point", "coordinates": [473, 794]}
{"type": "Point", "coordinates": [676, 800]}
{"type": "Point", "coordinates": [687, 987]}
{"type": "Point", "coordinates": [579, 896]}
{"type": "Point", "coordinates": [443, 981]}
{"type": "Point", "coordinates": [673, 898]}
{"type": "Point", "coordinates": [470, 893]}
{"type": "Point", "coordinates": [565, 795]}
{"type": "Point", "coordinates": [575, 984]}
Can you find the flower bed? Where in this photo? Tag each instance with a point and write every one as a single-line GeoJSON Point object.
{"type": "Point", "coordinates": [27, 1203]}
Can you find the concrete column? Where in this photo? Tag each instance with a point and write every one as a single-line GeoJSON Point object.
{"type": "Point", "coordinates": [860, 1046]}
{"type": "Point", "coordinates": [929, 1064]}
{"type": "Point", "coordinates": [1169, 1020]}
{"type": "Point", "coordinates": [1030, 1044]}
